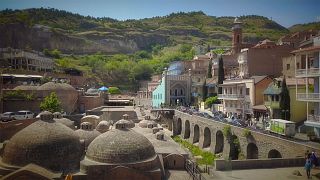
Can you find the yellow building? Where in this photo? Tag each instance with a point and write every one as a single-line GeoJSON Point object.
{"type": "Point", "coordinates": [298, 110]}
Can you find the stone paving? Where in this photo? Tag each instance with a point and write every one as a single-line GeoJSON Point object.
{"type": "Point", "coordinates": [262, 174]}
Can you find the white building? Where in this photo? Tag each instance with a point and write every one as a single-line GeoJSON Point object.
{"type": "Point", "coordinates": [309, 56]}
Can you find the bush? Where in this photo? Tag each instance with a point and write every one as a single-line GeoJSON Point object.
{"type": "Point", "coordinates": [114, 90]}
{"type": "Point", "coordinates": [211, 100]}
{"type": "Point", "coordinates": [227, 131]}
{"type": "Point", "coordinates": [246, 133]}
{"type": "Point", "coordinates": [19, 94]}
{"type": "Point", "coordinates": [207, 157]}
{"type": "Point", "coordinates": [51, 103]}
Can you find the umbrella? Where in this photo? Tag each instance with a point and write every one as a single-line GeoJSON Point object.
{"type": "Point", "coordinates": [103, 88]}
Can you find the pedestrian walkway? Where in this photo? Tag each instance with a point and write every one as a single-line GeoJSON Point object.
{"type": "Point", "coordinates": [262, 174]}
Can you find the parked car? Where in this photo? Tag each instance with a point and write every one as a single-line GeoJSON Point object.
{"type": "Point", "coordinates": [7, 116]}
{"type": "Point", "coordinates": [24, 115]}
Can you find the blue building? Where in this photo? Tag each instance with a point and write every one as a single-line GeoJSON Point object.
{"type": "Point", "coordinates": [173, 90]}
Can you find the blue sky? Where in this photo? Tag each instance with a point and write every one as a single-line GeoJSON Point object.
{"type": "Point", "coordinates": [285, 12]}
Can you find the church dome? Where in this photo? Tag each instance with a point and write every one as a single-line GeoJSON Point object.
{"type": "Point", "coordinates": [46, 143]}
{"type": "Point", "coordinates": [120, 146]}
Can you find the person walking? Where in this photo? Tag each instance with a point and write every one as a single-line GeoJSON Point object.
{"type": "Point", "coordinates": [308, 165]}
{"type": "Point", "coordinates": [314, 159]}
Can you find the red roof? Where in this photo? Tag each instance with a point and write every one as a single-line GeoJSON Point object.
{"type": "Point", "coordinates": [313, 48]}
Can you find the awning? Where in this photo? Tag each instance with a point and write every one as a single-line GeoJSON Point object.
{"type": "Point", "coordinates": [119, 100]}
{"type": "Point", "coordinates": [260, 108]}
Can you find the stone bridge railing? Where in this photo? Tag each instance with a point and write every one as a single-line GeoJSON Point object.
{"type": "Point", "coordinates": [210, 135]}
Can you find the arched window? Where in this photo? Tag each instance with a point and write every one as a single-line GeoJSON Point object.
{"type": "Point", "coordinates": [176, 92]}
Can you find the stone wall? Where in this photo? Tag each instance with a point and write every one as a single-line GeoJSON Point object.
{"type": "Point", "coordinates": [222, 165]}
{"type": "Point", "coordinates": [208, 134]}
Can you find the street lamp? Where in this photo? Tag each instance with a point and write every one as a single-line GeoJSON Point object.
{"type": "Point", "coordinates": [285, 111]}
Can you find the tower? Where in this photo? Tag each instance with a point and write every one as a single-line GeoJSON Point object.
{"type": "Point", "coordinates": [236, 36]}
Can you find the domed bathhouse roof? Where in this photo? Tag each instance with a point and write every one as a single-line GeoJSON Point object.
{"type": "Point", "coordinates": [126, 121]}
{"type": "Point", "coordinates": [57, 116]}
{"type": "Point", "coordinates": [103, 126]}
{"type": "Point", "coordinates": [93, 119]}
{"type": "Point", "coordinates": [52, 86]}
{"type": "Point", "coordinates": [87, 133]}
{"type": "Point", "coordinates": [46, 143]}
{"type": "Point", "coordinates": [121, 150]}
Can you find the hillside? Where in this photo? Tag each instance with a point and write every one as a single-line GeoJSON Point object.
{"type": "Point", "coordinates": [72, 33]}
{"type": "Point", "coordinates": [307, 26]}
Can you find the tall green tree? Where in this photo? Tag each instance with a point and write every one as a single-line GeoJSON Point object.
{"type": "Point", "coordinates": [220, 74]}
{"type": "Point", "coordinates": [209, 75]}
{"type": "Point", "coordinates": [285, 101]}
{"type": "Point", "coordinates": [204, 91]}
{"type": "Point", "coordinates": [51, 103]}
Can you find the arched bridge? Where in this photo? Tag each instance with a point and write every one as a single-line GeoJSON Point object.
{"type": "Point", "coordinates": [213, 136]}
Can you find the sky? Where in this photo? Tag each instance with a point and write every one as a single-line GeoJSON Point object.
{"type": "Point", "coordinates": [284, 12]}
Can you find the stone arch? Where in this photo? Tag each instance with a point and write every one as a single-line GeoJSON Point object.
{"type": "Point", "coordinates": [274, 154]}
{"type": "Point", "coordinates": [179, 126]}
{"type": "Point", "coordinates": [219, 142]}
{"type": "Point", "coordinates": [252, 151]}
{"type": "Point", "coordinates": [187, 129]}
{"type": "Point", "coordinates": [207, 138]}
{"type": "Point", "coordinates": [234, 147]}
{"type": "Point", "coordinates": [196, 134]}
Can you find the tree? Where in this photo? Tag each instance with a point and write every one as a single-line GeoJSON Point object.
{"type": "Point", "coordinates": [285, 101]}
{"type": "Point", "coordinates": [209, 75]}
{"type": "Point", "coordinates": [211, 100]}
{"type": "Point", "coordinates": [51, 103]}
{"type": "Point", "coordinates": [204, 91]}
{"type": "Point", "coordinates": [114, 90]}
{"type": "Point", "coordinates": [220, 74]}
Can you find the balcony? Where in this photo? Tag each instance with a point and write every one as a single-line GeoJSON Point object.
{"type": "Point", "coordinates": [231, 96]}
{"type": "Point", "coordinates": [310, 97]}
{"type": "Point", "coordinates": [272, 104]}
{"type": "Point", "coordinates": [314, 118]}
{"type": "Point", "coordinates": [311, 72]}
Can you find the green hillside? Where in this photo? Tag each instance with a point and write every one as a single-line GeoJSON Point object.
{"type": "Point", "coordinates": [307, 26]}
{"type": "Point", "coordinates": [176, 28]}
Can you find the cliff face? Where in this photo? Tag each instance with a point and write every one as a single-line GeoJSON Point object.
{"type": "Point", "coordinates": [38, 37]}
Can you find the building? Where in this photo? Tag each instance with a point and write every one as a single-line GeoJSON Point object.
{"type": "Point", "coordinates": [173, 90]}
{"type": "Point", "coordinates": [241, 95]}
{"type": "Point", "coordinates": [264, 58]}
{"type": "Point", "coordinates": [309, 55]}
{"type": "Point", "coordinates": [296, 38]}
{"type": "Point", "coordinates": [28, 60]}
{"type": "Point", "coordinates": [298, 110]}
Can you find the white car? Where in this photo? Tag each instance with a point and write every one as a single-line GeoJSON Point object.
{"type": "Point", "coordinates": [24, 115]}
{"type": "Point", "coordinates": [7, 116]}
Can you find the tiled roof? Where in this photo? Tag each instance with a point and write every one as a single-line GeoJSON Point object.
{"type": "Point", "coordinates": [313, 48]}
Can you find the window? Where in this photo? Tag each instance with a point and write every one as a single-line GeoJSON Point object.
{"type": "Point", "coordinates": [247, 91]}
{"type": "Point", "coordinates": [277, 97]}
{"type": "Point", "coordinates": [199, 78]}
{"type": "Point", "coordinates": [298, 65]}
{"type": "Point", "coordinates": [181, 92]}
{"type": "Point", "coordinates": [176, 92]}
{"type": "Point", "coordinates": [288, 66]}
{"type": "Point", "coordinates": [240, 91]}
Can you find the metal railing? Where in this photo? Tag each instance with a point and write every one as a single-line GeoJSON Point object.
{"type": "Point", "coordinates": [314, 118]}
{"type": "Point", "coordinates": [230, 96]}
{"type": "Point", "coordinates": [308, 96]}
{"type": "Point", "coordinates": [192, 169]}
{"type": "Point", "coordinates": [308, 72]}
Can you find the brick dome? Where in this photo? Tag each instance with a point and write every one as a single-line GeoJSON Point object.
{"type": "Point", "coordinates": [46, 143]}
{"type": "Point", "coordinates": [52, 86]}
{"type": "Point", "coordinates": [87, 133]}
{"type": "Point", "coordinates": [120, 146]}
